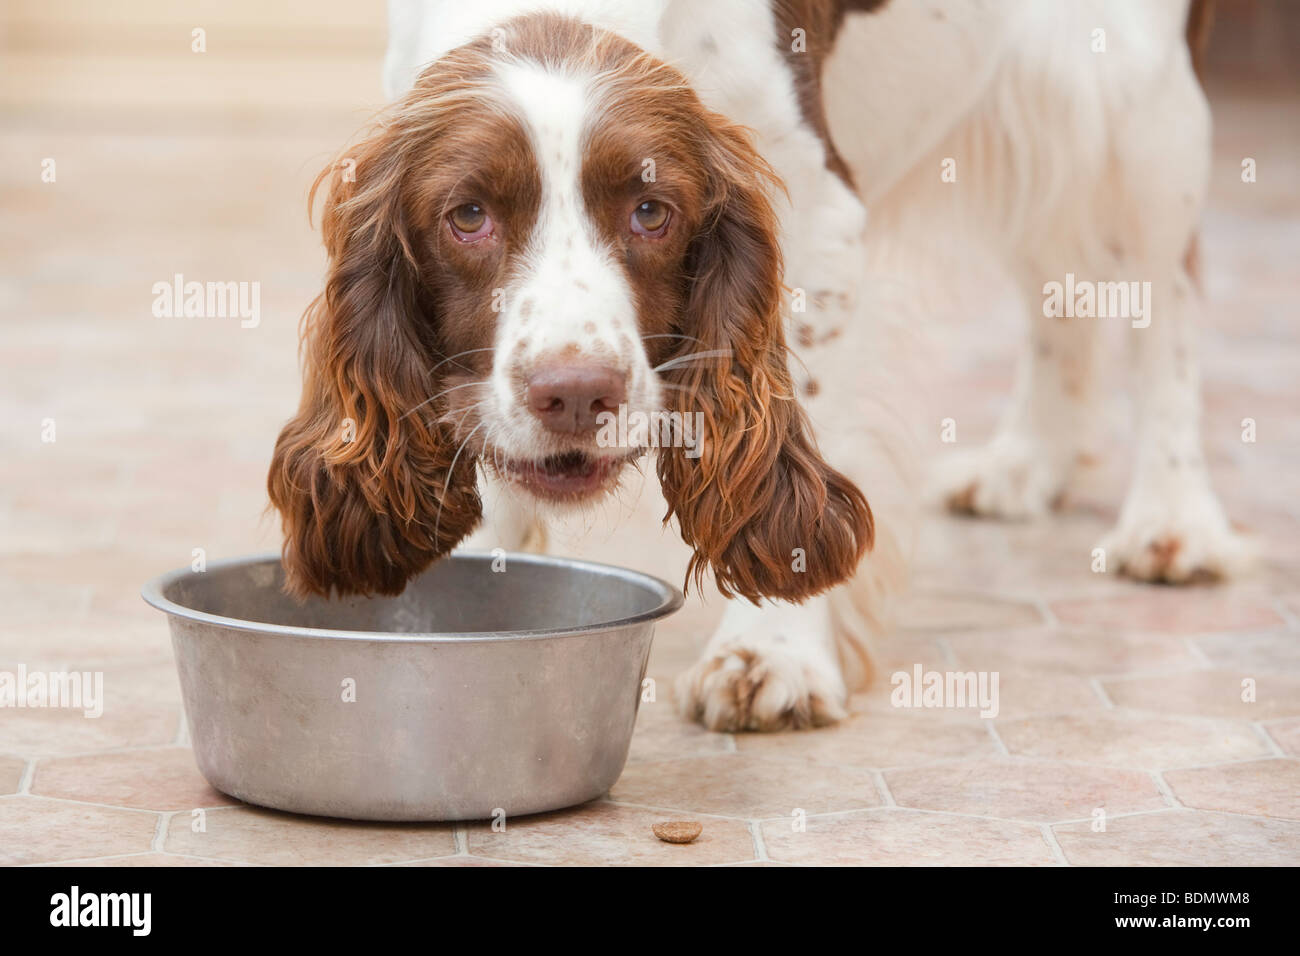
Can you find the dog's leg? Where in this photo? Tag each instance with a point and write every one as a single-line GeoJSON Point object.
{"type": "Point", "coordinates": [1024, 469]}
{"type": "Point", "coordinates": [1171, 527]}
{"type": "Point", "coordinates": [767, 667]}
{"type": "Point", "coordinates": [509, 523]}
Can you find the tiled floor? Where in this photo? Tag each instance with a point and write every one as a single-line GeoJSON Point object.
{"type": "Point", "coordinates": [1118, 702]}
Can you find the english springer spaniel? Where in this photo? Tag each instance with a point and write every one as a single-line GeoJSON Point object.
{"type": "Point", "coordinates": [575, 210]}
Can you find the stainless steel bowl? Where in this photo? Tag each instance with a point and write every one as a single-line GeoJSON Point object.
{"type": "Point", "coordinates": [476, 691]}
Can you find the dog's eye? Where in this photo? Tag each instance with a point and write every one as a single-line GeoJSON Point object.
{"type": "Point", "coordinates": [650, 219]}
{"type": "Point", "coordinates": [470, 222]}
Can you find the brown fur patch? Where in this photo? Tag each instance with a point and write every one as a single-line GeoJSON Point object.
{"type": "Point", "coordinates": [820, 21]}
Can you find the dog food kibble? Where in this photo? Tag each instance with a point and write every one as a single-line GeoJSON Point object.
{"type": "Point", "coordinates": [678, 831]}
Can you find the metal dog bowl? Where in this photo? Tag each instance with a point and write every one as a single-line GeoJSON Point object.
{"type": "Point", "coordinates": [474, 692]}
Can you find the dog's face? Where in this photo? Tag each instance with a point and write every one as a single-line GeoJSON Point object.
{"type": "Point", "coordinates": [547, 236]}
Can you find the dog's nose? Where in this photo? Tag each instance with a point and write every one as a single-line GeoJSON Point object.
{"type": "Point", "coordinates": [567, 398]}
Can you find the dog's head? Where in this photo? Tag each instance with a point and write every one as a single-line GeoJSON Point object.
{"type": "Point", "coordinates": [550, 234]}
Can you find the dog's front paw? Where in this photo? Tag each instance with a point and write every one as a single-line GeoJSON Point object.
{"type": "Point", "coordinates": [1175, 539]}
{"type": "Point", "coordinates": [1005, 479]}
{"type": "Point", "coordinates": [761, 685]}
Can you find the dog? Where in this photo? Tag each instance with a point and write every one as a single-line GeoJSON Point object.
{"type": "Point", "coordinates": [578, 210]}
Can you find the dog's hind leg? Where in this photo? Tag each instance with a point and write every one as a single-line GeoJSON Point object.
{"type": "Point", "coordinates": [1025, 468]}
{"type": "Point", "coordinates": [1172, 527]}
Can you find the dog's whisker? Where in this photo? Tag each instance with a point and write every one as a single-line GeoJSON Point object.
{"type": "Point", "coordinates": [692, 357]}
{"type": "Point", "coordinates": [465, 414]}
{"type": "Point", "coordinates": [452, 358]}
{"type": "Point", "coordinates": [672, 335]}
{"type": "Point", "coordinates": [442, 498]}
{"type": "Point", "coordinates": [442, 393]}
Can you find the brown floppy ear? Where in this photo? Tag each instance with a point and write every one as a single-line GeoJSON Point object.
{"type": "Point", "coordinates": [759, 505]}
{"type": "Point", "coordinates": [364, 476]}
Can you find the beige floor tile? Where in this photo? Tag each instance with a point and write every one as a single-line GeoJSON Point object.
{"type": "Point", "coordinates": [1203, 610]}
{"type": "Point", "coordinates": [47, 732]}
{"type": "Point", "coordinates": [1127, 739]}
{"type": "Point", "coordinates": [1020, 694]}
{"type": "Point", "coordinates": [897, 837]}
{"type": "Point", "coordinates": [662, 734]}
{"type": "Point", "coordinates": [902, 651]}
{"type": "Point", "coordinates": [1182, 838]}
{"type": "Point", "coordinates": [1266, 788]}
{"type": "Point", "coordinates": [607, 834]}
{"type": "Point", "coordinates": [741, 785]}
{"type": "Point", "coordinates": [141, 707]}
{"type": "Point", "coordinates": [1216, 693]}
{"type": "Point", "coordinates": [1270, 652]}
{"type": "Point", "coordinates": [931, 611]}
{"type": "Point", "coordinates": [11, 774]}
{"type": "Point", "coordinates": [137, 638]}
{"type": "Point", "coordinates": [1286, 733]}
{"type": "Point", "coordinates": [33, 830]}
{"type": "Point", "coordinates": [163, 779]}
{"type": "Point", "coordinates": [1013, 789]}
{"type": "Point", "coordinates": [149, 860]}
{"type": "Point", "coordinates": [1047, 558]}
{"type": "Point", "coordinates": [875, 740]}
{"type": "Point", "coordinates": [461, 861]}
{"type": "Point", "coordinates": [1084, 653]}
{"type": "Point", "coordinates": [254, 835]}
{"type": "Point", "coordinates": [1026, 694]}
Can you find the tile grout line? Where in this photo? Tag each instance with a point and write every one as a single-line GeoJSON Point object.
{"type": "Point", "coordinates": [212, 859]}
{"type": "Point", "coordinates": [111, 806]}
{"type": "Point", "coordinates": [658, 809]}
{"type": "Point", "coordinates": [1095, 684]}
{"type": "Point", "coordinates": [1049, 837]}
{"type": "Point", "coordinates": [1291, 620]}
{"type": "Point", "coordinates": [883, 787]}
{"type": "Point", "coordinates": [1195, 650]}
{"type": "Point", "coordinates": [461, 856]}
{"type": "Point", "coordinates": [757, 842]}
{"type": "Point", "coordinates": [182, 738]}
{"type": "Point", "coordinates": [83, 859]}
{"type": "Point", "coordinates": [25, 781]}
{"type": "Point", "coordinates": [1221, 763]}
{"type": "Point", "coordinates": [946, 652]}
{"type": "Point", "coordinates": [111, 751]}
{"type": "Point", "coordinates": [1269, 742]}
{"type": "Point", "coordinates": [1119, 816]}
{"type": "Point", "coordinates": [1149, 673]}
{"type": "Point", "coordinates": [1239, 813]}
{"type": "Point", "coordinates": [1045, 609]}
{"type": "Point", "coordinates": [997, 739]}
{"type": "Point", "coordinates": [1015, 821]}
{"type": "Point", "coordinates": [160, 831]}
{"type": "Point", "coordinates": [1166, 791]}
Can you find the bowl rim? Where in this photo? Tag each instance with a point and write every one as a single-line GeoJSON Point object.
{"type": "Point", "coordinates": [671, 600]}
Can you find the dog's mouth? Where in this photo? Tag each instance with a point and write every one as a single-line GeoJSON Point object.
{"type": "Point", "coordinates": [568, 476]}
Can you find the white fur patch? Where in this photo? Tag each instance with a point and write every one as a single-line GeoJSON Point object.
{"type": "Point", "coordinates": [570, 297]}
